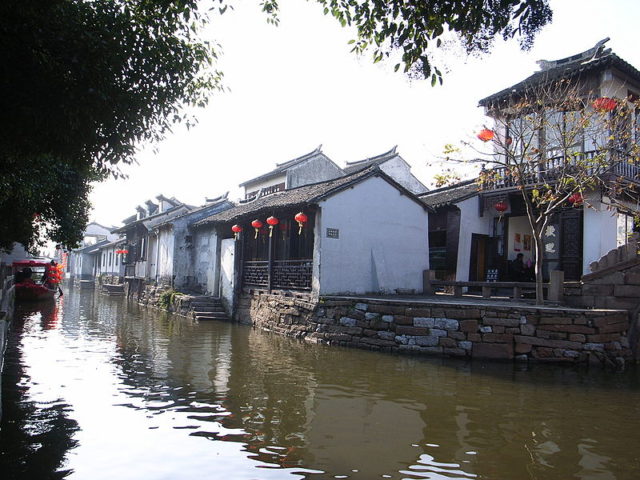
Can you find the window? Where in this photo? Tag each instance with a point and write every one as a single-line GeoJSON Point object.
{"type": "Point", "coordinates": [625, 227]}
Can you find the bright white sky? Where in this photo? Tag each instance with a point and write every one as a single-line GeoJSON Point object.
{"type": "Point", "coordinates": [296, 86]}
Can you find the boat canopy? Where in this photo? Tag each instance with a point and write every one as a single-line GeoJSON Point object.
{"type": "Point", "coordinates": [31, 263]}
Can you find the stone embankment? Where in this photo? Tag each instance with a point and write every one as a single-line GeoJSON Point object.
{"type": "Point", "coordinates": [481, 330]}
{"type": "Point", "coordinates": [198, 307]}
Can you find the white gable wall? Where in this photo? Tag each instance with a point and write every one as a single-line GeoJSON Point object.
{"type": "Point", "coordinates": [599, 231]}
{"type": "Point", "coordinates": [400, 171]}
{"type": "Point", "coordinates": [205, 259]}
{"type": "Point", "coordinates": [382, 244]}
{"type": "Point", "coordinates": [470, 223]}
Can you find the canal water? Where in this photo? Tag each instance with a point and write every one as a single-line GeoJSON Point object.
{"type": "Point", "coordinates": [98, 388]}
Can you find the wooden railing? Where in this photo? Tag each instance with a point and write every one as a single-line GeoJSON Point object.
{"type": "Point", "coordinates": [288, 274]}
{"type": "Point", "coordinates": [554, 288]}
{"type": "Point", "coordinates": [550, 170]}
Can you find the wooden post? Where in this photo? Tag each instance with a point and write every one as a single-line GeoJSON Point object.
{"type": "Point", "coordinates": [556, 286]}
{"type": "Point", "coordinates": [427, 277]}
{"type": "Point", "coordinates": [457, 291]}
{"type": "Point", "coordinates": [486, 292]}
{"type": "Point", "coordinates": [517, 292]}
{"type": "Point", "coordinates": [270, 265]}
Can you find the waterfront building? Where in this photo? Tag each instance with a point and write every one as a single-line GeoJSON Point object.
{"type": "Point", "coordinates": [477, 230]}
{"type": "Point", "coordinates": [142, 248]}
{"type": "Point", "coordinates": [84, 262]}
{"type": "Point", "coordinates": [359, 233]}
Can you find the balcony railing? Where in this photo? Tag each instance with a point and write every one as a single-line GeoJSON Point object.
{"type": "Point", "coordinates": [550, 170]}
{"type": "Point", "coordinates": [288, 274]}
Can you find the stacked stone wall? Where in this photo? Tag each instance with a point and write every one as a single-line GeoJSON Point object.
{"type": "Point", "coordinates": [521, 333]}
{"type": "Point", "coordinates": [614, 281]}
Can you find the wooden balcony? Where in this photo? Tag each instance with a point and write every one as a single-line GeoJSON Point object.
{"type": "Point", "coordinates": [548, 171]}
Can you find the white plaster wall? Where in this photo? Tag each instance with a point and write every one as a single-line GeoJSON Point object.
{"type": "Point", "coordinates": [613, 86]}
{"type": "Point", "coordinates": [599, 231]}
{"type": "Point", "coordinates": [227, 270]}
{"type": "Point", "coordinates": [382, 244]}
{"type": "Point", "coordinates": [164, 255]}
{"type": "Point", "coordinates": [400, 171]}
{"type": "Point", "coordinates": [152, 256]}
{"type": "Point", "coordinates": [470, 223]}
{"type": "Point", "coordinates": [316, 169]}
{"type": "Point", "coordinates": [205, 244]}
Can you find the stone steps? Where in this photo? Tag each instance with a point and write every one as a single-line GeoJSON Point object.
{"type": "Point", "coordinates": [208, 308]}
{"type": "Point", "coordinates": [112, 290]}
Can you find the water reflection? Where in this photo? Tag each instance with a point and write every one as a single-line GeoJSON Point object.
{"type": "Point", "coordinates": [129, 393]}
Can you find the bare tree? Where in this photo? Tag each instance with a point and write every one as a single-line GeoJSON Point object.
{"type": "Point", "coordinates": [556, 142]}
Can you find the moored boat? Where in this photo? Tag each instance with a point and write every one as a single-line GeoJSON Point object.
{"type": "Point", "coordinates": [34, 279]}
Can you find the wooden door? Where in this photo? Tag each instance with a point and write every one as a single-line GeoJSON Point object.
{"type": "Point", "coordinates": [571, 244]}
{"type": "Point", "coordinates": [478, 260]}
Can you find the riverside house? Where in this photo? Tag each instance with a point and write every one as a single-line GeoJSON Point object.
{"type": "Point", "coordinates": [359, 233]}
{"type": "Point", "coordinates": [142, 248]}
{"type": "Point", "coordinates": [475, 233]}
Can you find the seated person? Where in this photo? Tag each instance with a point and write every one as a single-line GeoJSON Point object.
{"type": "Point", "coordinates": [518, 273]}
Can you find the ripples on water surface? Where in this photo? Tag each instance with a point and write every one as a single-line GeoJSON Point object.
{"type": "Point", "coordinates": [96, 388]}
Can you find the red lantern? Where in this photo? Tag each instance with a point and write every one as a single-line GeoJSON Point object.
{"type": "Point", "coordinates": [605, 104]}
{"type": "Point", "coordinates": [485, 134]}
{"type": "Point", "coordinates": [301, 218]}
{"type": "Point", "coordinates": [576, 199]}
{"type": "Point", "coordinates": [508, 141]}
{"type": "Point", "coordinates": [272, 221]}
{"type": "Point", "coordinates": [257, 225]}
{"type": "Point", "coordinates": [236, 229]}
{"type": "Point", "coordinates": [501, 207]}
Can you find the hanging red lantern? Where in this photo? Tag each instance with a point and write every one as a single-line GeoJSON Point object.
{"type": "Point", "coordinates": [301, 218]}
{"type": "Point", "coordinates": [576, 199]}
{"type": "Point", "coordinates": [605, 104]}
{"type": "Point", "coordinates": [272, 221]}
{"type": "Point", "coordinates": [508, 141]}
{"type": "Point", "coordinates": [257, 225]}
{"type": "Point", "coordinates": [236, 229]}
{"type": "Point", "coordinates": [501, 207]}
{"type": "Point", "coordinates": [485, 134]}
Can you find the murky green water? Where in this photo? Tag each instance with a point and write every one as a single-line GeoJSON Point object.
{"type": "Point", "coordinates": [95, 388]}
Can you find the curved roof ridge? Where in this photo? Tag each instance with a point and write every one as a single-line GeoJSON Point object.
{"type": "Point", "coordinates": [392, 152]}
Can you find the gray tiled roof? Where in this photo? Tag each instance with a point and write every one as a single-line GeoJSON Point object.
{"type": "Point", "coordinates": [569, 70]}
{"type": "Point", "coordinates": [300, 197]}
{"type": "Point", "coordinates": [377, 160]}
{"type": "Point", "coordinates": [151, 219]}
{"type": "Point", "coordinates": [450, 195]}
{"type": "Point", "coordinates": [282, 167]}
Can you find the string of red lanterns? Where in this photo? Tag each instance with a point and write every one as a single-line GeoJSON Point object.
{"type": "Point", "coordinates": [272, 221]}
{"type": "Point", "coordinates": [122, 252]}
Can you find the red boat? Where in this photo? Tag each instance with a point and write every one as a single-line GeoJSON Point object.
{"type": "Point", "coordinates": [34, 280]}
